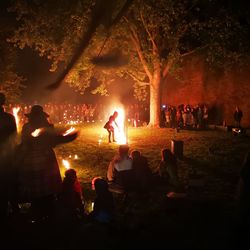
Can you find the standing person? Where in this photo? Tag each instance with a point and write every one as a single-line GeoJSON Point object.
{"type": "Point", "coordinates": [110, 126]}
{"type": "Point", "coordinates": [8, 131]}
{"type": "Point", "coordinates": [39, 175]}
{"type": "Point", "coordinates": [238, 114]}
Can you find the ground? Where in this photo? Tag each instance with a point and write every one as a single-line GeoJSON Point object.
{"type": "Point", "coordinates": [205, 218]}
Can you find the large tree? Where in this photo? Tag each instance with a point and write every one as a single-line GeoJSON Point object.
{"type": "Point", "coordinates": [146, 44]}
{"type": "Point", "coordinates": [11, 83]}
{"type": "Point", "coordinates": [164, 32]}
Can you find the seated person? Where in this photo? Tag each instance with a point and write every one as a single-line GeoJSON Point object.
{"type": "Point", "coordinates": [167, 169]}
{"type": "Point", "coordinates": [141, 170]}
{"type": "Point", "coordinates": [71, 198]}
{"type": "Point", "coordinates": [120, 174]}
{"type": "Point", "coordinates": [103, 210]}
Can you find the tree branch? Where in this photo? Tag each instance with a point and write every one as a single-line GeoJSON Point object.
{"type": "Point", "coordinates": [167, 68]}
{"type": "Point", "coordinates": [135, 40]}
{"type": "Point", "coordinates": [193, 51]}
{"type": "Point", "coordinates": [149, 34]}
{"type": "Point", "coordinates": [141, 83]}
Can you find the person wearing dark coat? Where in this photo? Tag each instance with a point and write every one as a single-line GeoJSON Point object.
{"type": "Point", "coordinates": [141, 171]}
{"type": "Point", "coordinates": [71, 199]}
{"type": "Point", "coordinates": [8, 132]}
{"type": "Point", "coordinates": [168, 169]}
{"type": "Point", "coordinates": [39, 174]}
{"type": "Point", "coordinates": [238, 114]}
{"type": "Point", "coordinates": [104, 208]}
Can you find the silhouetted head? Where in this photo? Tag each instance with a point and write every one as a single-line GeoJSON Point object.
{"type": "Point", "coordinates": [123, 150]}
{"type": "Point", "coordinates": [70, 173]}
{"type": "Point", "coordinates": [115, 114]}
{"type": "Point", "coordinates": [167, 155]}
{"type": "Point", "coordinates": [135, 154]}
{"type": "Point", "coordinates": [37, 112]}
{"type": "Point", "coordinates": [70, 176]}
{"type": "Point", "coordinates": [2, 98]}
{"type": "Point", "coordinates": [100, 185]}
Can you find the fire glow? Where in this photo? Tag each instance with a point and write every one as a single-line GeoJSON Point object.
{"type": "Point", "coordinates": [69, 131]}
{"type": "Point", "coordinates": [120, 134]}
{"type": "Point", "coordinates": [37, 132]}
{"type": "Point", "coordinates": [66, 164]}
{"type": "Point", "coordinates": [15, 111]}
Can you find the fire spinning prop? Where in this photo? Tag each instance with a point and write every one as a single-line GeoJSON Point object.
{"type": "Point", "coordinates": [69, 131]}
{"type": "Point", "coordinates": [37, 132]}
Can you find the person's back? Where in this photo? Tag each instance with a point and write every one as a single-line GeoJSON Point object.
{"type": "Point", "coordinates": [141, 170]}
{"type": "Point", "coordinates": [8, 132]}
{"type": "Point", "coordinates": [71, 197]}
{"type": "Point", "coordinates": [120, 169]}
{"type": "Point", "coordinates": [123, 172]}
{"type": "Point", "coordinates": [104, 208]}
{"type": "Point", "coordinates": [7, 126]}
{"type": "Point", "coordinates": [168, 168]}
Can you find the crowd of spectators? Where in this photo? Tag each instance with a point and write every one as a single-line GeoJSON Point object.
{"type": "Point", "coordinates": [183, 116]}
{"type": "Point", "coordinates": [137, 115]}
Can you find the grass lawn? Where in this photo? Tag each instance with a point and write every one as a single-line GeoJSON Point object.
{"type": "Point", "coordinates": [210, 167]}
{"type": "Point", "coordinates": [205, 218]}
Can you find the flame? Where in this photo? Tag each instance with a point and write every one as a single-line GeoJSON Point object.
{"type": "Point", "coordinates": [99, 141]}
{"type": "Point", "coordinates": [120, 134]}
{"type": "Point", "coordinates": [76, 157]}
{"type": "Point", "coordinates": [15, 111]}
{"type": "Point", "coordinates": [37, 132]}
{"type": "Point", "coordinates": [66, 164]}
{"type": "Point", "coordinates": [69, 131]}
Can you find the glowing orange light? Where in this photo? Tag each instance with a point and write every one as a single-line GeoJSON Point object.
{"type": "Point", "coordinates": [120, 131]}
{"type": "Point", "coordinates": [37, 132]}
{"type": "Point", "coordinates": [76, 157]}
{"type": "Point", "coordinates": [99, 141]}
{"type": "Point", "coordinates": [69, 131]}
{"type": "Point", "coordinates": [66, 164]}
{"type": "Point", "coordinates": [15, 111]}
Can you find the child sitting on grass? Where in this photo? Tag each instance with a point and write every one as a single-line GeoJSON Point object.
{"type": "Point", "coordinates": [103, 210]}
{"type": "Point", "coordinates": [71, 199]}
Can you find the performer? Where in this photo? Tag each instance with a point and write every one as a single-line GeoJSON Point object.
{"type": "Point", "coordinates": [109, 125]}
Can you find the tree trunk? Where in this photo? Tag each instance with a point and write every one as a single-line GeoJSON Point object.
{"type": "Point", "coordinates": [155, 100]}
